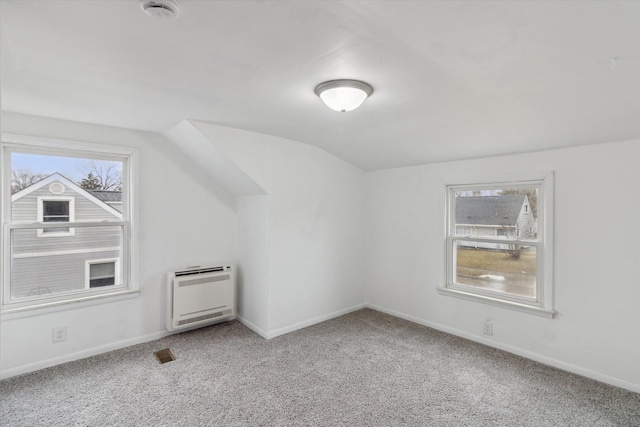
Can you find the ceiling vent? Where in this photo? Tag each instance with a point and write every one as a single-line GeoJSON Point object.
{"type": "Point", "coordinates": [162, 10]}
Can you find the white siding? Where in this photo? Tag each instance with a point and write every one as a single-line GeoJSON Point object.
{"type": "Point", "coordinates": [52, 274]}
{"type": "Point", "coordinates": [27, 241]}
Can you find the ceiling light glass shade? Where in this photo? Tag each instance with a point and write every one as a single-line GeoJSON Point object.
{"type": "Point", "coordinates": [343, 95]}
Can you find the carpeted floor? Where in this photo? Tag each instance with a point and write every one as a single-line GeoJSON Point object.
{"type": "Point", "coordinates": [362, 369]}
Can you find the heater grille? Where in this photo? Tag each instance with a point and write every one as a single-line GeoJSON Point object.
{"type": "Point", "coordinates": [200, 296]}
{"type": "Point", "coordinates": [202, 280]}
{"type": "Point", "coordinates": [164, 356]}
{"type": "Point", "coordinates": [204, 317]}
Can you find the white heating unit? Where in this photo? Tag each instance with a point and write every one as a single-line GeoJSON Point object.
{"type": "Point", "coordinates": [200, 296]}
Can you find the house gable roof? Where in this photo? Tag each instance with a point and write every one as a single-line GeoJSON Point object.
{"type": "Point", "coordinates": [70, 184]}
{"type": "Point", "coordinates": [107, 195]}
{"type": "Point", "coordinates": [489, 210]}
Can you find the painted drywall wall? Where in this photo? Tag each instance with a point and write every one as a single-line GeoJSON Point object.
{"type": "Point", "coordinates": [597, 259]}
{"type": "Point", "coordinates": [315, 225]}
{"type": "Point", "coordinates": [308, 236]}
{"type": "Point", "coordinates": [253, 262]}
{"type": "Point", "coordinates": [252, 278]}
{"type": "Point", "coordinates": [183, 219]}
{"type": "Point", "coordinates": [193, 144]}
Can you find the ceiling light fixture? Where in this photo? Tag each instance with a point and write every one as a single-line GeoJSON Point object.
{"type": "Point", "coordinates": [343, 95]}
{"type": "Point", "coordinates": [162, 10]}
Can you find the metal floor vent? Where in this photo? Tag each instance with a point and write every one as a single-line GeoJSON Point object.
{"type": "Point", "coordinates": [164, 356]}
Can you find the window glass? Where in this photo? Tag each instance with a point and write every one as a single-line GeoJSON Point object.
{"type": "Point", "coordinates": [102, 274]}
{"type": "Point", "coordinates": [504, 268]}
{"type": "Point", "coordinates": [86, 190]}
{"type": "Point", "coordinates": [496, 250]}
{"type": "Point", "coordinates": [55, 211]}
{"type": "Point", "coordinates": [57, 267]}
{"type": "Point", "coordinates": [496, 212]}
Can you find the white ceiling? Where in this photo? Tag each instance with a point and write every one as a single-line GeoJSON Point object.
{"type": "Point", "coordinates": [452, 80]}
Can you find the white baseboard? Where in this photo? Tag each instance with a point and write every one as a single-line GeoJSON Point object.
{"type": "Point", "coordinates": [7, 373]}
{"type": "Point", "coordinates": [313, 321]}
{"type": "Point", "coordinates": [31, 367]}
{"type": "Point", "coordinates": [253, 327]}
{"type": "Point", "coordinates": [569, 367]}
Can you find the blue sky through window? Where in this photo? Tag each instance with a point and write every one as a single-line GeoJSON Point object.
{"type": "Point", "coordinates": [71, 167]}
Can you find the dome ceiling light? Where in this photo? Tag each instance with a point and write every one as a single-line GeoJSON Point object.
{"type": "Point", "coordinates": [343, 95]}
{"type": "Point", "coordinates": [162, 10]}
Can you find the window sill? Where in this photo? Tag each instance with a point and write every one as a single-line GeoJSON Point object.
{"type": "Point", "coordinates": [10, 313]}
{"type": "Point", "coordinates": [538, 311]}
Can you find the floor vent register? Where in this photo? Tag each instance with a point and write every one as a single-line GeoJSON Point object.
{"type": "Point", "coordinates": [164, 356]}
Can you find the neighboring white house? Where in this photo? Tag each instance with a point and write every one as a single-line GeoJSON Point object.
{"type": "Point", "coordinates": [112, 198]}
{"type": "Point", "coordinates": [55, 260]}
{"type": "Point", "coordinates": [508, 216]}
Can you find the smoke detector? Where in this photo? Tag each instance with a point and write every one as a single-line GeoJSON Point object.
{"type": "Point", "coordinates": [162, 10]}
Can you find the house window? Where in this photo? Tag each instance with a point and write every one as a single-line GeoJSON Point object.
{"type": "Point", "coordinates": [506, 263]}
{"type": "Point", "coordinates": [463, 231]}
{"type": "Point", "coordinates": [103, 272]}
{"type": "Point", "coordinates": [64, 239]}
{"type": "Point", "coordinates": [55, 209]}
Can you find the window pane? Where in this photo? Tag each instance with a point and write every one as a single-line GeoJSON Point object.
{"type": "Point", "coordinates": [102, 274]}
{"type": "Point", "coordinates": [105, 281]}
{"type": "Point", "coordinates": [54, 266]}
{"type": "Point", "coordinates": [504, 268]}
{"type": "Point", "coordinates": [497, 213]}
{"type": "Point", "coordinates": [103, 269]}
{"type": "Point", "coordinates": [55, 210]}
{"type": "Point", "coordinates": [90, 174]}
{"type": "Point", "coordinates": [60, 218]}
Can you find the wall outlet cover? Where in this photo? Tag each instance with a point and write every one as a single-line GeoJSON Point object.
{"type": "Point", "coordinates": [487, 327]}
{"type": "Point", "coordinates": [59, 334]}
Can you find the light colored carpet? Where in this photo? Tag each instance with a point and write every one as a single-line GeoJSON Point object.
{"type": "Point", "coordinates": [362, 369]}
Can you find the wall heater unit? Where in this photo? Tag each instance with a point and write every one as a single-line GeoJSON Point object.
{"type": "Point", "coordinates": [200, 296]}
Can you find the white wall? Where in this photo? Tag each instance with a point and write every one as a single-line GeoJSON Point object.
{"type": "Point", "coordinates": [253, 262]}
{"type": "Point", "coordinates": [315, 225]}
{"type": "Point", "coordinates": [306, 249]}
{"type": "Point", "coordinates": [299, 249]}
{"type": "Point", "coordinates": [597, 258]}
{"type": "Point", "coordinates": [184, 219]}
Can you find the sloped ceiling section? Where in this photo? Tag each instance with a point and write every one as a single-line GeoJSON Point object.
{"type": "Point", "coordinates": [452, 79]}
{"type": "Point", "coordinates": [211, 160]}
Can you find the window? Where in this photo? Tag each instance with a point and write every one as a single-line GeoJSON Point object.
{"type": "Point", "coordinates": [508, 262]}
{"type": "Point", "coordinates": [101, 273]}
{"type": "Point", "coordinates": [64, 241]}
{"type": "Point", "coordinates": [55, 209]}
{"type": "Point", "coordinates": [463, 231]}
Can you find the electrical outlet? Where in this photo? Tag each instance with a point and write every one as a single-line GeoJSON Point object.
{"type": "Point", "coordinates": [59, 334]}
{"type": "Point", "coordinates": [487, 327]}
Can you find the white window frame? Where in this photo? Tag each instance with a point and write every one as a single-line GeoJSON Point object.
{"type": "Point", "coordinates": [542, 305]}
{"type": "Point", "coordinates": [87, 270]}
{"type": "Point", "coordinates": [72, 215]}
{"type": "Point", "coordinates": [127, 265]}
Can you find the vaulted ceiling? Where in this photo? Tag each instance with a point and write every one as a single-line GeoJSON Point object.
{"type": "Point", "coordinates": [452, 80]}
